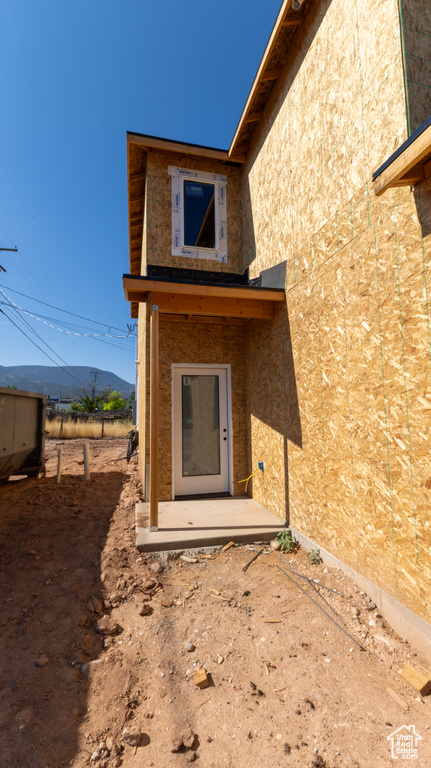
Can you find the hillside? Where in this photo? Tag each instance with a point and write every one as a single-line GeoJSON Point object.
{"type": "Point", "coordinates": [65, 382]}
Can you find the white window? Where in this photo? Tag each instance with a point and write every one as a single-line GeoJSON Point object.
{"type": "Point", "coordinates": [198, 214]}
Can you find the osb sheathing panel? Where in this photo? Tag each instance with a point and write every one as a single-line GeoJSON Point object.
{"type": "Point", "coordinates": [416, 26]}
{"type": "Point", "coordinates": [159, 203]}
{"type": "Point", "coordinates": [338, 112]}
{"type": "Point", "coordinates": [339, 384]}
{"type": "Point", "coordinates": [202, 344]}
{"type": "Point", "coordinates": [343, 420]}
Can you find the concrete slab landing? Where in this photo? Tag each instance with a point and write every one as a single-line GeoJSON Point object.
{"type": "Point", "coordinates": [205, 522]}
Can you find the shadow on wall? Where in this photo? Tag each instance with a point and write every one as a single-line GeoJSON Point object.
{"type": "Point", "coordinates": [51, 541]}
{"type": "Point", "coordinates": [272, 403]}
{"type": "Point", "coordinates": [271, 387]}
{"type": "Point", "coordinates": [422, 195]}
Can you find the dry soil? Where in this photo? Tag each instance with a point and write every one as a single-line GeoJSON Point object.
{"type": "Point", "coordinates": [287, 687]}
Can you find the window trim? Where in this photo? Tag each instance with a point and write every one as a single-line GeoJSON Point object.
{"type": "Point", "coordinates": [179, 176]}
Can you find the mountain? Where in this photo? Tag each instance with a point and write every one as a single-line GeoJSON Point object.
{"type": "Point", "coordinates": [65, 382]}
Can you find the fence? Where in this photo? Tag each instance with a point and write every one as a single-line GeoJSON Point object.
{"type": "Point", "coordinates": [69, 424]}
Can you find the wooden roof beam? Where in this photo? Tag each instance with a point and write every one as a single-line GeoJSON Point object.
{"type": "Point", "coordinates": [270, 74]}
{"type": "Point", "coordinates": [241, 148]}
{"type": "Point", "coordinates": [155, 142]}
{"type": "Point", "coordinates": [288, 22]}
{"type": "Point", "coordinates": [253, 117]}
{"type": "Point", "coordinates": [145, 285]}
{"type": "Point", "coordinates": [137, 176]}
{"type": "Point", "coordinates": [404, 169]}
{"type": "Point", "coordinates": [215, 306]}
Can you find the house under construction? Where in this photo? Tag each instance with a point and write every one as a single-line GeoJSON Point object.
{"type": "Point", "coordinates": [285, 284]}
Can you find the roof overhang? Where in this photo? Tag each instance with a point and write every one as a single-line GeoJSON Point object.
{"type": "Point", "coordinates": [289, 19]}
{"type": "Point", "coordinates": [410, 164]}
{"type": "Point", "coordinates": [168, 145]}
{"type": "Point", "coordinates": [191, 300]}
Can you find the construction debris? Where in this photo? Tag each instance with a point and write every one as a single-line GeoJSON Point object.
{"type": "Point", "coordinates": [227, 546]}
{"type": "Point", "coordinates": [247, 565]}
{"type": "Point", "coordinates": [201, 679]}
{"type": "Point", "coordinates": [416, 679]}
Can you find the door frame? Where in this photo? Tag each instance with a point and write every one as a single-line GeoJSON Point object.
{"type": "Point", "coordinates": [203, 367]}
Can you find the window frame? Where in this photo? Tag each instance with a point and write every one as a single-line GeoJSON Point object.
{"type": "Point", "coordinates": [179, 177]}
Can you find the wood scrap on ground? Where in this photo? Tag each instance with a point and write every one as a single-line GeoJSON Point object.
{"type": "Point", "coordinates": [396, 698]}
{"type": "Point", "coordinates": [416, 679]}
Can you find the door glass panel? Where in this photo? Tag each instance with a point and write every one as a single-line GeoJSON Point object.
{"type": "Point", "coordinates": [200, 425]}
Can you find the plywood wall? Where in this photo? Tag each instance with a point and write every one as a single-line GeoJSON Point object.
{"type": "Point", "coordinates": [202, 344]}
{"type": "Point", "coordinates": [159, 205]}
{"type": "Point", "coordinates": [339, 386]}
{"type": "Point", "coordinates": [416, 34]}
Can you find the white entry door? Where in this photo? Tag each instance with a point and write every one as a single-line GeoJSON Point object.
{"type": "Point", "coordinates": [201, 437]}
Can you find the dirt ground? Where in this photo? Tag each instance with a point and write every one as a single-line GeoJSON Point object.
{"type": "Point", "coordinates": [287, 686]}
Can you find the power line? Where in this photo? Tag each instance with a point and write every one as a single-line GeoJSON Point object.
{"type": "Point", "coordinates": [43, 320]}
{"type": "Point", "coordinates": [81, 317]}
{"type": "Point", "coordinates": [83, 380]}
{"type": "Point", "coordinates": [42, 350]}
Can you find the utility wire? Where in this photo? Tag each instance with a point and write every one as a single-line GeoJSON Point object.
{"type": "Point", "coordinates": [42, 350]}
{"type": "Point", "coordinates": [81, 317]}
{"type": "Point", "coordinates": [62, 330]}
{"type": "Point", "coordinates": [83, 380]}
{"type": "Point", "coordinates": [319, 606]}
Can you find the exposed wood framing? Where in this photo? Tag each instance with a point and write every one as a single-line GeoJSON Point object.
{"type": "Point", "coordinates": [155, 142]}
{"type": "Point", "coordinates": [271, 74]}
{"type": "Point", "coordinates": [267, 73]}
{"type": "Point", "coordinates": [214, 306]}
{"type": "Point", "coordinates": [154, 417]}
{"type": "Point", "coordinates": [204, 300]}
{"type": "Point", "coordinates": [179, 318]}
{"type": "Point", "coordinates": [145, 285]}
{"type": "Point", "coordinates": [253, 117]}
{"type": "Point", "coordinates": [409, 168]}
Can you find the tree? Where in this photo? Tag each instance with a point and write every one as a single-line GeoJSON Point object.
{"type": "Point", "coordinates": [87, 404]}
{"type": "Point", "coordinates": [114, 402]}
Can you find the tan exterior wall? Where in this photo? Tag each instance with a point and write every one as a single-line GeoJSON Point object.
{"type": "Point", "coordinates": [202, 344]}
{"type": "Point", "coordinates": [191, 344]}
{"type": "Point", "coordinates": [345, 432]}
{"type": "Point", "coordinates": [159, 205]}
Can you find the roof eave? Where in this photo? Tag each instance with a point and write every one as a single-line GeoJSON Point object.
{"type": "Point", "coordinates": [409, 164]}
{"type": "Point", "coordinates": [263, 73]}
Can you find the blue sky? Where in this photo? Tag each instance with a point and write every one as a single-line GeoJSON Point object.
{"type": "Point", "coordinates": [74, 78]}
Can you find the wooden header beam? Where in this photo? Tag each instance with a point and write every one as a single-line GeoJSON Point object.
{"type": "Point", "coordinates": [144, 285]}
{"type": "Point", "coordinates": [189, 299]}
